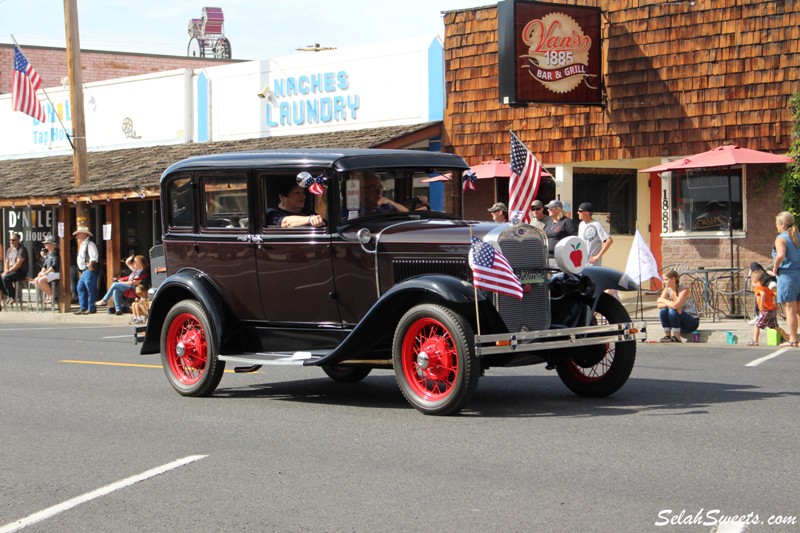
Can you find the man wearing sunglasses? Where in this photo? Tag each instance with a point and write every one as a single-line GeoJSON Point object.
{"type": "Point", "coordinates": [559, 226]}
{"type": "Point", "coordinates": [539, 213]}
{"type": "Point", "coordinates": [15, 268]}
{"type": "Point", "coordinates": [372, 199]}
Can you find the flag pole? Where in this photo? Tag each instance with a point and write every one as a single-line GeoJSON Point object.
{"type": "Point", "coordinates": [474, 288]}
{"type": "Point", "coordinates": [69, 137]}
{"type": "Point", "coordinates": [640, 303]}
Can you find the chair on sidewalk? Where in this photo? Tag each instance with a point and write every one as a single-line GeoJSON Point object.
{"type": "Point", "coordinates": [41, 305]}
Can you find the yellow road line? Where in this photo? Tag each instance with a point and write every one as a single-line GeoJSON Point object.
{"type": "Point", "coordinates": [108, 363]}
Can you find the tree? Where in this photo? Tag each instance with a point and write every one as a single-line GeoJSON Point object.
{"type": "Point", "coordinates": [790, 181]}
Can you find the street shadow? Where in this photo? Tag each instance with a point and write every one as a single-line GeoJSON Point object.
{"type": "Point", "coordinates": [522, 396]}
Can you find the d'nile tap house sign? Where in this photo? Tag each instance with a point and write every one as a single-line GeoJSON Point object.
{"type": "Point", "coordinates": [549, 53]}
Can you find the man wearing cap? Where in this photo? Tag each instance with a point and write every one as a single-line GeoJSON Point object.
{"type": "Point", "coordinates": [87, 260]}
{"type": "Point", "coordinates": [15, 268]}
{"type": "Point", "coordinates": [540, 217]}
{"type": "Point", "coordinates": [499, 212]}
{"type": "Point", "coordinates": [559, 226]}
{"type": "Point", "coordinates": [597, 239]}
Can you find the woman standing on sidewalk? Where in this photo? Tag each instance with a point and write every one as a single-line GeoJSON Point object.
{"type": "Point", "coordinates": [786, 256]}
{"type": "Point", "coordinates": [678, 309]}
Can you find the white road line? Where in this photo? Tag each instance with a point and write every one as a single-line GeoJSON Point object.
{"type": "Point", "coordinates": [102, 491]}
{"type": "Point", "coordinates": [128, 336]}
{"type": "Point", "coordinates": [760, 360]}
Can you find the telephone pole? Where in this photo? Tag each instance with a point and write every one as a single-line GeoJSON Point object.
{"type": "Point", "coordinates": [80, 164]}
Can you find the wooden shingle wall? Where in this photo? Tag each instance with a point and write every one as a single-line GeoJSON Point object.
{"type": "Point", "coordinates": [680, 79]}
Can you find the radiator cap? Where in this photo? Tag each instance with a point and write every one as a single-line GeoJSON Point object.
{"type": "Point", "coordinates": [571, 255]}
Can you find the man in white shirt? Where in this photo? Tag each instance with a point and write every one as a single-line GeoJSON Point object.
{"type": "Point", "coordinates": [87, 260]}
{"type": "Point", "coordinates": [597, 239]}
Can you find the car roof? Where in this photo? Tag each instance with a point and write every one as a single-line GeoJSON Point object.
{"type": "Point", "coordinates": [343, 159]}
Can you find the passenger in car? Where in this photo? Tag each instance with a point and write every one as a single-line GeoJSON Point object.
{"type": "Point", "coordinates": [372, 199]}
{"type": "Point", "coordinates": [291, 211]}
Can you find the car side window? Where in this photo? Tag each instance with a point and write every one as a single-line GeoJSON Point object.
{"type": "Point", "coordinates": [225, 202]}
{"type": "Point", "coordinates": [289, 205]}
{"type": "Point", "coordinates": [181, 203]}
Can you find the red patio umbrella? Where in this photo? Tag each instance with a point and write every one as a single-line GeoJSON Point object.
{"type": "Point", "coordinates": [496, 168]}
{"type": "Point", "coordinates": [722, 156]}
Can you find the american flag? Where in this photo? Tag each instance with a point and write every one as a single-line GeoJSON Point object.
{"type": "Point", "coordinates": [491, 271]}
{"type": "Point", "coordinates": [470, 179]}
{"type": "Point", "coordinates": [526, 174]}
{"type": "Point", "coordinates": [24, 84]}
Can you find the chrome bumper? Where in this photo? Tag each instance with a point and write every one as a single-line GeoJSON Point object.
{"type": "Point", "coordinates": [553, 339]}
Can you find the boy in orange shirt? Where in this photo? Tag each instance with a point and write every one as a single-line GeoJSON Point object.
{"type": "Point", "coordinates": [765, 298]}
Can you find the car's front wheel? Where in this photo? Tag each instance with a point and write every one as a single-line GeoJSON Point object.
{"type": "Point", "coordinates": [434, 359]}
{"type": "Point", "coordinates": [189, 350]}
{"type": "Point", "coordinates": [600, 370]}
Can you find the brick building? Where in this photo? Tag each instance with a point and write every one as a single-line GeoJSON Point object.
{"type": "Point", "coordinates": [96, 65]}
{"type": "Point", "coordinates": [679, 78]}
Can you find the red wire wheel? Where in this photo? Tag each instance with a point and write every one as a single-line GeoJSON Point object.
{"type": "Point", "coordinates": [599, 371]}
{"type": "Point", "coordinates": [189, 352]}
{"type": "Point", "coordinates": [187, 349]}
{"type": "Point", "coordinates": [435, 363]}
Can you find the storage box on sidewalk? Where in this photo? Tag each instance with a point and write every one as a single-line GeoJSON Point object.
{"type": "Point", "coordinates": [773, 337]}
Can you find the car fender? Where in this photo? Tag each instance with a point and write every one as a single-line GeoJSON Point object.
{"type": "Point", "coordinates": [605, 278]}
{"type": "Point", "coordinates": [372, 330]}
{"type": "Point", "coordinates": [187, 285]}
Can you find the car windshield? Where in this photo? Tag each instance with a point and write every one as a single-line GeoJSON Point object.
{"type": "Point", "coordinates": [380, 192]}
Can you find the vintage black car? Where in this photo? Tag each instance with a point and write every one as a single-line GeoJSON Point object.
{"type": "Point", "coordinates": [351, 260]}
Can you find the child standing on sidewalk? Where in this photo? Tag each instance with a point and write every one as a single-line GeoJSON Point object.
{"type": "Point", "coordinates": [765, 298]}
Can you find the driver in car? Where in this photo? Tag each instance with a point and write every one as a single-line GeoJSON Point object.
{"type": "Point", "coordinates": [372, 199]}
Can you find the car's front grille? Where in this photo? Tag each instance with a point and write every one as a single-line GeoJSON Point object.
{"type": "Point", "coordinates": [525, 248]}
{"type": "Point", "coordinates": [408, 267]}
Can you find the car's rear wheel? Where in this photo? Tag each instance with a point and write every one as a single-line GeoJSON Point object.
{"type": "Point", "coordinates": [189, 350]}
{"type": "Point", "coordinates": [434, 359]}
{"type": "Point", "coordinates": [600, 370]}
{"type": "Point", "coordinates": [347, 374]}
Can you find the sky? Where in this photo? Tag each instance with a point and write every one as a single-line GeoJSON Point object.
{"type": "Point", "coordinates": [257, 29]}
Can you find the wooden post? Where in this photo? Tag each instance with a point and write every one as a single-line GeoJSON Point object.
{"type": "Point", "coordinates": [64, 292]}
{"type": "Point", "coordinates": [79, 157]}
{"type": "Point", "coordinates": [113, 254]}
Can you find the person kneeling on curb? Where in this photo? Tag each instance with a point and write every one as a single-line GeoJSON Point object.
{"type": "Point", "coordinates": [678, 309]}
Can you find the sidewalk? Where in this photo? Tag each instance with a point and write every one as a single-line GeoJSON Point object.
{"type": "Point", "coordinates": [30, 315]}
{"type": "Point", "coordinates": [709, 331]}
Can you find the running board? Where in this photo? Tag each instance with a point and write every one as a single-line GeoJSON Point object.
{"type": "Point", "coordinates": [271, 358]}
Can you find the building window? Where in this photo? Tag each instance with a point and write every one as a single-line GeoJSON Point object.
{"type": "Point", "coordinates": [610, 191]}
{"type": "Point", "coordinates": [706, 200]}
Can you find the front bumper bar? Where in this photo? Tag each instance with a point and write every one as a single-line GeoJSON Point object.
{"type": "Point", "coordinates": [553, 339]}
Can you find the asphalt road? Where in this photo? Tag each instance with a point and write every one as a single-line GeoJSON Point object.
{"type": "Point", "coordinates": [694, 436]}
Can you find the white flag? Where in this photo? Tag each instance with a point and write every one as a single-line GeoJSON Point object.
{"type": "Point", "coordinates": [641, 263]}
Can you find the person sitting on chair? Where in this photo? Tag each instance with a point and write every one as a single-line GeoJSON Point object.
{"type": "Point", "coordinates": [15, 268]}
{"type": "Point", "coordinates": [49, 272]}
{"type": "Point", "coordinates": [138, 266]}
